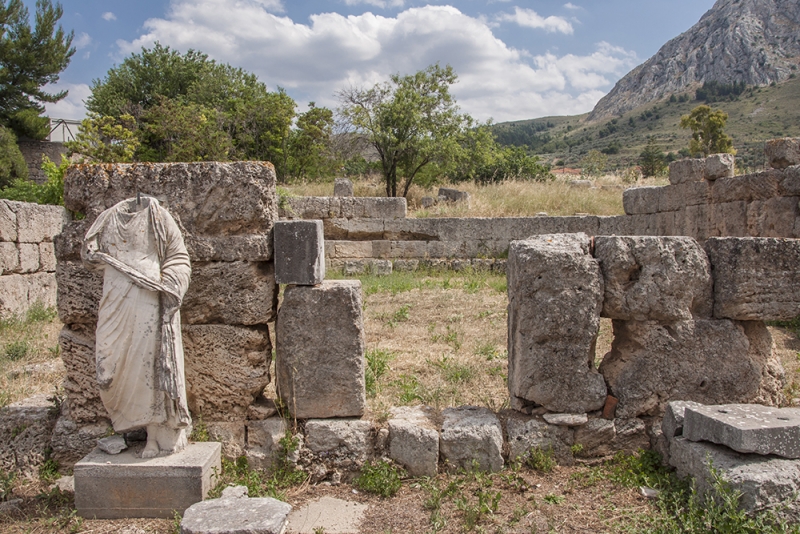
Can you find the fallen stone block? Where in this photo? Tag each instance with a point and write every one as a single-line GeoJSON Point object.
{"type": "Point", "coordinates": [328, 514]}
{"type": "Point", "coordinates": [526, 433]}
{"type": "Point", "coordinates": [340, 439]}
{"type": "Point", "coordinates": [719, 166]}
{"type": "Point", "coordinates": [672, 424]}
{"type": "Point", "coordinates": [232, 436]}
{"type": "Point", "coordinates": [452, 195]}
{"type": "Point", "coordinates": [654, 278]}
{"type": "Point", "coordinates": [414, 440]}
{"type": "Point", "coordinates": [746, 428]}
{"type": "Point", "coordinates": [125, 485]}
{"type": "Point", "coordinates": [26, 428]}
{"type": "Point", "coordinates": [342, 187]}
{"type": "Point", "coordinates": [320, 350]}
{"type": "Point", "coordinates": [235, 513]}
{"type": "Point", "coordinates": [227, 368]}
{"type": "Point", "coordinates": [708, 361]}
{"type": "Point", "coordinates": [78, 293]}
{"type": "Point", "coordinates": [764, 481]}
{"type": "Point", "coordinates": [782, 153]}
{"type": "Point", "coordinates": [755, 278]}
{"type": "Point", "coordinates": [471, 437]}
{"type": "Point", "coordinates": [263, 441]}
{"type": "Point", "coordinates": [299, 252]}
{"type": "Point", "coordinates": [555, 291]}
{"type": "Point", "coordinates": [234, 293]}
{"type": "Point", "coordinates": [687, 170]}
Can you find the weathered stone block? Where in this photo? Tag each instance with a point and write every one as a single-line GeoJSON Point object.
{"type": "Point", "coordinates": [755, 278]}
{"type": "Point", "coordinates": [351, 249]}
{"type": "Point", "coordinates": [79, 292]}
{"type": "Point", "coordinates": [299, 252]}
{"type": "Point", "coordinates": [68, 243]}
{"type": "Point", "coordinates": [675, 197]}
{"type": "Point", "coordinates": [342, 187]}
{"type": "Point", "coordinates": [237, 292]}
{"type": "Point", "coordinates": [124, 485]}
{"type": "Point", "coordinates": [471, 434]}
{"type": "Point", "coordinates": [263, 441]}
{"type": "Point", "coordinates": [719, 166]}
{"type": "Point", "coordinates": [526, 433]}
{"type": "Point", "coordinates": [746, 428]}
{"type": "Point", "coordinates": [13, 295]}
{"type": "Point", "coordinates": [227, 367]}
{"type": "Point", "coordinates": [229, 248]}
{"type": "Point", "coordinates": [631, 435]}
{"type": "Point", "coordinates": [729, 219]}
{"type": "Point", "coordinates": [687, 170]}
{"type": "Point", "coordinates": [320, 350]}
{"type": "Point", "coordinates": [654, 278]}
{"type": "Point", "coordinates": [28, 257]}
{"type": "Point", "coordinates": [596, 438]}
{"type": "Point", "coordinates": [340, 438]}
{"type": "Point", "coordinates": [385, 208]}
{"type": "Point", "coordinates": [37, 222]}
{"type": "Point", "coordinates": [764, 481]}
{"type": "Point", "coordinates": [782, 153]}
{"type": "Point", "coordinates": [77, 344]}
{"type": "Point", "coordinates": [230, 434]}
{"type": "Point", "coordinates": [414, 440]}
{"type": "Point", "coordinates": [235, 513]}
{"type": "Point", "coordinates": [708, 361]}
{"type": "Point", "coordinates": [8, 222]}
{"type": "Point", "coordinates": [207, 199]}
{"type": "Point", "coordinates": [672, 423]}
{"type": "Point", "coordinates": [9, 258]}
{"type": "Point", "coordinates": [452, 195]}
{"type": "Point", "coordinates": [776, 217]}
{"type": "Point", "coordinates": [47, 257]}
{"type": "Point", "coordinates": [638, 200]}
{"type": "Point", "coordinates": [758, 186]}
{"type": "Point", "coordinates": [72, 441]}
{"type": "Point", "coordinates": [555, 291]}
{"type": "Point", "coordinates": [25, 430]}
{"type": "Point", "coordinates": [41, 289]}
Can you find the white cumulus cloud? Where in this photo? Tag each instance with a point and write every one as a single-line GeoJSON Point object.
{"type": "Point", "coordinates": [383, 4]}
{"type": "Point", "coordinates": [529, 18]}
{"type": "Point", "coordinates": [72, 106]}
{"type": "Point", "coordinates": [329, 52]}
{"type": "Point", "coordinates": [108, 15]}
{"type": "Point", "coordinates": [571, 6]}
{"type": "Point", "coordinates": [82, 41]}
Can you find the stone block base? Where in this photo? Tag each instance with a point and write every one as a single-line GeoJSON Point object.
{"type": "Point", "coordinates": [126, 486]}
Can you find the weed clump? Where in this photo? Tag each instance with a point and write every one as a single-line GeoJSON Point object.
{"type": "Point", "coordinates": [381, 478]}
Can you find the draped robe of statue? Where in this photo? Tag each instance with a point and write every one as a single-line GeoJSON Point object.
{"type": "Point", "coordinates": [139, 349]}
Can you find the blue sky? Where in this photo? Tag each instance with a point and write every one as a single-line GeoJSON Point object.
{"type": "Point", "coordinates": [515, 59]}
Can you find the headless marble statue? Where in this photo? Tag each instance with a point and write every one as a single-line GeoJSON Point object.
{"type": "Point", "coordinates": [139, 349]}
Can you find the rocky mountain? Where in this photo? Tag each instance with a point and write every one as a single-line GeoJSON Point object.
{"type": "Point", "coordinates": [751, 41]}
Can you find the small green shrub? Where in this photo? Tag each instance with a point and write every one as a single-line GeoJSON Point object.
{"type": "Point", "coordinates": [16, 350]}
{"type": "Point", "coordinates": [540, 459]}
{"type": "Point", "coordinates": [552, 498]}
{"type": "Point", "coordinates": [199, 431]}
{"type": "Point", "coordinates": [381, 478]}
{"type": "Point", "coordinates": [38, 313]}
{"type": "Point", "coordinates": [377, 366]}
{"type": "Point", "coordinates": [48, 471]}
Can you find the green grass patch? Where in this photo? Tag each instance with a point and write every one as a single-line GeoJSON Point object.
{"type": "Point", "coordinates": [402, 281]}
{"type": "Point", "coordinates": [381, 478]}
{"type": "Point", "coordinates": [377, 366]}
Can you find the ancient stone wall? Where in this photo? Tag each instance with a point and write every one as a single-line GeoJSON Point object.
{"type": "Point", "coordinates": [32, 152]}
{"type": "Point", "coordinates": [226, 212]}
{"type": "Point", "coordinates": [27, 258]}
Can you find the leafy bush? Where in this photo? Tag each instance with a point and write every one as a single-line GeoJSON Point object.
{"type": "Point", "coordinates": [540, 459]}
{"type": "Point", "coordinates": [12, 164]}
{"type": "Point", "coordinates": [50, 192]}
{"type": "Point", "coordinates": [381, 478]}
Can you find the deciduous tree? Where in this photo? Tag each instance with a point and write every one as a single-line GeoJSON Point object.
{"type": "Point", "coordinates": [708, 131]}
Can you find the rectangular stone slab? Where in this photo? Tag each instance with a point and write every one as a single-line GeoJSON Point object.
{"type": "Point", "coordinates": [746, 428]}
{"type": "Point", "coordinates": [125, 486]}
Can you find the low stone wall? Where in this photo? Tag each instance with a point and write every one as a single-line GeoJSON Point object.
{"type": "Point", "coordinates": [27, 258]}
{"type": "Point", "coordinates": [226, 212]}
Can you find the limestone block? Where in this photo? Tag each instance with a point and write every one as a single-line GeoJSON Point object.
{"type": "Point", "coordinates": [776, 217]}
{"type": "Point", "coordinates": [80, 384]}
{"type": "Point", "coordinates": [68, 243]}
{"type": "Point", "coordinates": [340, 438]}
{"type": "Point", "coordinates": [9, 258]}
{"type": "Point", "coordinates": [355, 229]}
{"type": "Point", "coordinates": [755, 278]}
{"type": "Point", "coordinates": [764, 481]}
{"type": "Point", "coordinates": [452, 195]}
{"type": "Point", "coordinates": [37, 222]}
{"type": "Point", "coordinates": [230, 434]}
{"type": "Point", "coordinates": [351, 249]}
{"type": "Point", "coordinates": [356, 267]}
{"type": "Point", "coordinates": [13, 295]}
{"type": "Point", "coordinates": [696, 222]}
{"type": "Point", "coordinates": [299, 252]}
{"type": "Point", "coordinates": [747, 428]}
{"type": "Point", "coordinates": [638, 200]}
{"type": "Point", "coordinates": [719, 166]}
{"type": "Point", "coordinates": [42, 289]}
{"type": "Point", "coordinates": [126, 485]}
{"type": "Point", "coordinates": [412, 229]}
{"type": "Point", "coordinates": [25, 430]}
{"type": "Point", "coordinates": [235, 513]}
{"type": "Point", "coordinates": [385, 208]}
{"type": "Point", "coordinates": [308, 208]}
{"type": "Point", "coordinates": [709, 361]}
{"type": "Point", "coordinates": [207, 199]}
{"type": "Point", "coordinates": [72, 441]}
{"type": "Point", "coordinates": [525, 433]}
{"type": "Point", "coordinates": [8, 222]}
{"type": "Point", "coordinates": [79, 292]}
{"type": "Point", "coordinates": [381, 249]}
{"type": "Point", "coordinates": [405, 265]}
{"type": "Point", "coordinates": [617, 225]}
{"type": "Point", "coordinates": [672, 423]}
{"type": "Point", "coordinates": [555, 291]}
{"type": "Point", "coordinates": [687, 170]}
{"type": "Point", "coordinates": [631, 435]}
{"type": "Point", "coordinates": [414, 440]}
{"type": "Point", "coordinates": [227, 367]}
{"type": "Point", "coordinates": [596, 438]}
{"type": "Point", "coordinates": [236, 292]}
{"type": "Point", "coordinates": [789, 182]}
{"type": "Point", "coordinates": [444, 249]}
{"type": "Point", "coordinates": [654, 278]}
{"type": "Point", "coordinates": [729, 219]}
{"type": "Point", "coordinates": [342, 187]}
{"type": "Point", "coordinates": [381, 267]}
{"type": "Point", "coordinates": [749, 187]}
{"type": "Point", "coordinates": [675, 197]}
{"type": "Point", "coordinates": [320, 350]}
{"type": "Point", "coordinates": [782, 153]}
{"type": "Point", "coordinates": [566, 419]}
{"type": "Point", "coordinates": [229, 248]}
{"type": "Point", "coordinates": [263, 441]}
{"type": "Point", "coordinates": [471, 434]}
{"type": "Point", "coordinates": [409, 249]}
{"type": "Point", "coordinates": [47, 257]}
{"type": "Point", "coordinates": [28, 257]}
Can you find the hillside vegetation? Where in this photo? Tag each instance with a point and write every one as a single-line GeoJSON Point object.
{"type": "Point", "coordinates": [756, 115]}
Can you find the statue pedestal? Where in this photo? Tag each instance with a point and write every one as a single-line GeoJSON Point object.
{"type": "Point", "coordinates": [125, 485]}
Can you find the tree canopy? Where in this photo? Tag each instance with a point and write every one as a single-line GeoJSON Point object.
{"type": "Point", "coordinates": [30, 58]}
{"type": "Point", "coordinates": [708, 131]}
{"type": "Point", "coordinates": [652, 159]}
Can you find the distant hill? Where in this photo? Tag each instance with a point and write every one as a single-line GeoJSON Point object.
{"type": "Point", "coordinates": [756, 42]}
